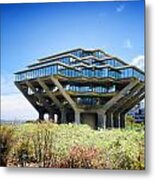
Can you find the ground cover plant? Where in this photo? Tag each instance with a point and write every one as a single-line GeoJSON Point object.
{"type": "Point", "coordinates": [71, 146]}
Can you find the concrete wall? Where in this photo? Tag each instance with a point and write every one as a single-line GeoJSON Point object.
{"type": "Point", "coordinates": [90, 119]}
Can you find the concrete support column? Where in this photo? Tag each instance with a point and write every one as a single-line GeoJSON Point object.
{"type": "Point", "coordinates": [77, 117]}
{"type": "Point", "coordinates": [122, 120]}
{"type": "Point", "coordinates": [115, 120]}
{"type": "Point", "coordinates": [112, 120]}
{"type": "Point", "coordinates": [100, 120]}
{"type": "Point", "coordinates": [41, 116]}
{"type": "Point", "coordinates": [104, 121]}
{"type": "Point", "coordinates": [63, 116]}
{"type": "Point", "coordinates": [90, 119]}
{"type": "Point", "coordinates": [119, 121]}
{"type": "Point", "coordinates": [51, 116]}
{"type": "Point", "coordinates": [59, 117]}
{"type": "Point", "coordinates": [108, 120]}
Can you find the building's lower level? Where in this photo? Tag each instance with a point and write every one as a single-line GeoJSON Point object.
{"type": "Point", "coordinates": [49, 96]}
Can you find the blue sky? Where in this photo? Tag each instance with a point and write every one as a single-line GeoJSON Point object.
{"type": "Point", "coordinates": [31, 31]}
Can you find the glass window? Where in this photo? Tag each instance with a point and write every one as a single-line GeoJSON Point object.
{"type": "Point", "coordinates": [99, 54]}
{"type": "Point", "coordinates": [117, 63]}
{"type": "Point", "coordinates": [104, 72]}
{"type": "Point", "coordinates": [77, 53]}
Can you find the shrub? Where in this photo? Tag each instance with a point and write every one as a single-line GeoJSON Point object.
{"type": "Point", "coordinates": [76, 146]}
{"type": "Point", "coordinates": [127, 155]}
{"type": "Point", "coordinates": [6, 142]}
{"type": "Point", "coordinates": [86, 157]}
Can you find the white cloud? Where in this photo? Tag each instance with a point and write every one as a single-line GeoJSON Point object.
{"type": "Point", "coordinates": [7, 84]}
{"type": "Point", "coordinates": [13, 104]}
{"type": "Point", "coordinates": [128, 44]}
{"type": "Point", "coordinates": [139, 61]}
{"type": "Point", "coordinates": [120, 8]}
{"type": "Point", "coordinates": [16, 107]}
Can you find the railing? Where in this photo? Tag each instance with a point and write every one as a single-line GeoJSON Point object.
{"type": "Point", "coordinates": [88, 89]}
{"type": "Point", "coordinates": [68, 72]}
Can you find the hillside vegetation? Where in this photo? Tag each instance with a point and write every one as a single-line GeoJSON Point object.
{"type": "Point", "coordinates": [71, 146]}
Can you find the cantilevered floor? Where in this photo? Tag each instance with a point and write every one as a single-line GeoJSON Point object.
{"type": "Point", "coordinates": [82, 86]}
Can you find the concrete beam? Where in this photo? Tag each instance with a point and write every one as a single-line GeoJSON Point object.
{"type": "Point", "coordinates": [108, 122]}
{"type": "Point", "coordinates": [41, 99]}
{"type": "Point", "coordinates": [120, 95]}
{"type": "Point", "coordinates": [49, 93]}
{"type": "Point", "coordinates": [66, 96]}
{"type": "Point", "coordinates": [28, 97]}
{"type": "Point", "coordinates": [132, 101]}
{"type": "Point", "coordinates": [122, 102]}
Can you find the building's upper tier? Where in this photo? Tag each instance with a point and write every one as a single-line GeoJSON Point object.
{"type": "Point", "coordinates": [89, 63]}
{"type": "Point", "coordinates": [88, 57]}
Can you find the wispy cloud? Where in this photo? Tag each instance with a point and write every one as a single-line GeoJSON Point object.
{"type": "Point", "coordinates": [13, 104]}
{"type": "Point", "coordinates": [120, 8]}
{"type": "Point", "coordinates": [128, 44]}
{"type": "Point", "coordinates": [139, 61]}
{"type": "Point", "coordinates": [16, 107]}
{"type": "Point", "coordinates": [7, 85]}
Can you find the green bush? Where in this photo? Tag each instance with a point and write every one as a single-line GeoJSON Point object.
{"type": "Point", "coordinates": [6, 142]}
{"type": "Point", "coordinates": [76, 146]}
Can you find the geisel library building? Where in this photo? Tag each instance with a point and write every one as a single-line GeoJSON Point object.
{"type": "Point", "coordinates": [82, 86]}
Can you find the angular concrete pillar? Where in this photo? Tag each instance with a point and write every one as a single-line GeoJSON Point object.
{"type": "Point", "coordinates": [51, 116]}
{"type": "Point", "coordinates": [119, 121]}
{"type": "Point", "coordinates": [59, 117]}
{"type": "Point", "coordinates": [100, 120]}
{"type": "Point", "coordinates": [49, 93]}
{"type": "Point", "coordinates": [104, 121]}
{"type": "Point", "coordinates": [28, 97]}
{"type": "Point", "coordinates": [41, 116]}
{"type": "Point", "coordinates": [63, 116]}
{"type": "Point", "coordinates": [115, 120]}
{"type": "Point", "coordinates": [63, 92]}
{"type": "Point", "coordinates": [112, 120]}
{"type": "Point", "coordinates": [108, 120]}
{"type": "Point", "coordinates": [122, 120]}
{"type": "Point", "coordinates": [77, 117]}
{"type": "Point", "coordinates": [120, 95]}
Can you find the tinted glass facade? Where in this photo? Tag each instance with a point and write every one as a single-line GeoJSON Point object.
{"type": "Point", "coordinates": [100, 67]}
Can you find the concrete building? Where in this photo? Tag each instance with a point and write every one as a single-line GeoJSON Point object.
{"type": "Point", "coordinates": [82, 86]}
{"type": "Point", "coordinates": [138, 113]}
